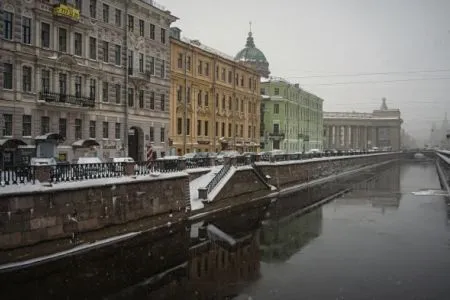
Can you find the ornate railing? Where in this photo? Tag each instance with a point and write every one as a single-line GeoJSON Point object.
{"type": "Point", "coordinates": [65, 98]}
{"type": "Point", "coordinates": [17, 175]}
{"type": "Point", "coordinates": [75, 172]}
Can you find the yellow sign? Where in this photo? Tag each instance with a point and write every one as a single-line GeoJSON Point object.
{"type": "Point", "coordinates": [66, 11]}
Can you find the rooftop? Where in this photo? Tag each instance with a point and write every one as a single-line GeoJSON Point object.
{"type": "Point", "coordinates": [198, 44]}
{"type": "Point", "coordinates": [355, 115]}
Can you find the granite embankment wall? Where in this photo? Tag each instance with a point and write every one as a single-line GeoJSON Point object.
{"type": "Point", "coordinates": [34, 214]}
{"type": "Point", "coordinates": [31, 216]}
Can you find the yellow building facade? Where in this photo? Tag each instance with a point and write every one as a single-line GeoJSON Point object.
{"type": "Point", "coordinates": [214, 100]}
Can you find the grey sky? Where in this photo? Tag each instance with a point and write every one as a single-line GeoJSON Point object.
{"type": "Point", "coordinates": [328, 37]}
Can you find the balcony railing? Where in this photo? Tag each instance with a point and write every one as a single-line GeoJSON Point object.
{"type": "Point", "coordinates": [65, 98]}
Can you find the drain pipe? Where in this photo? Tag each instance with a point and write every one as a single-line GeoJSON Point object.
{"type": "Point", "coordinates": [125, 125]}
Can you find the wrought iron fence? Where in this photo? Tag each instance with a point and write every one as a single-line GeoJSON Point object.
{"type": "Point", "coordinates": [17, 175]}
{"type": "Point", "coordinates": [75, 172]}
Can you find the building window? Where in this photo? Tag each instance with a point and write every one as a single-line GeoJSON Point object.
{"type": "Point", "coordinates": [78, 44]}
{"type": "Point", "coordinates": [130, 97]}
{"type": "Point", "coordinates": [199, 98]}
{"type": "Point", "coordinates": [162, 134]}
{"type": "Point", "coordinates": [152, 31]}
{"type": "Point", "coordinates": [188, 63]}
{"type": "Point", "coordinates": [8, 125]}
{"type": "Point", "coordinates": [262, 91]}
{"type": "Point", "coordinates": [117, 55]}
{"type": "Point", "coordinates": [45, 81]}
{"type": "Point", "coordinates": [223, 102]}
{"type": "Point", "coordinates": [242, 80]}
{"type": "Point", "coordinates": [130, 62]}
{"type": "Point", "coordinates": [230, 76]}
{"type": "Point", "coordinates": [223, 129]}
{"type": "Point", "coordinates": [199, 127]}
{"type": "Point", "coordinates": [200, 67]}
{"type": "Point", "coordinates": [118, 17]}
{"type": "Point", "coordinates": [276, 108]}
{"type": "Point", "coordinates": [105, 51]}
{"type": "Point", "coordinates": [163, 102]}
{"type": "Point", "coordinates": [117, 130]}
{"type": "Point", "coordinates": [152, 100]}
{"type": "Point", "coordinates": [105, 130]}
{"type": "Point", "coordinates": [179, 93]}
{"type": "Point", "coordinates": [92, 88]}
{"type": "Point", "coordinates": [276, 128]}
{"type": "Point", "coordinates": [163, 35]}
{"type": "Point", "coordinates": [250, 83]}
{"type": "Point", "coordinates": [92, 48]}
{"type": "Point", "coordinates": [92, 129]}
{"type": "Point", "coordinates": [163, 69]}
{"type": "Point", "coordinates": [26, 78]}
{"type": "Point", "coordinates": [7, 25]}
{"type": "Point", "coordinates": [223, 74]}
{"type": "Point", "coordinates": [45, 35]}
{"type": "Point", "coordinates": [7, 76]}
{"type": "Point", "coordinates": [26, 125]}
{"type": "Point", "coordinates": [105, 91]}
{"type": "Point", "coordinates": [141, 62]}
{"type": "Point", "coordinates": [229, 130]}
{"type": "Point", "coordinates": [118, 92]}
{"type": "Point", "coordinates": [206, 99]}
{"type": "Point", "coordinates": [130, 23]}
{"type": "Point", "coordinates": [78, 86]}
{"type": "Point", "coordinates": [78, 129]}
{"type": "Point", "coordinates": [180, 60]}
{"type": "Point", "coordinates": [206, 128]}
{"type": "Point", "coordinates": [242, 105]}
{"type": "Point", "coordinates": [217, 129]}
{"type": "Point", "coordinates": [105, 13]}
{"type": "Point", "coordinates": [93, 8]}
{"type": "Point", "coordinates": [276, 91]}
{"type": "Point", "coordinates": [206, 69]}
{"type": "Point", "coordinates": [62, 83]}
{"type": "Point", "coordinates": [63, 127]}
{"type": "Point", "coordinates": [45, 125]}
{"type": "Point", "coordinates": [141, 98]}
{"type": "Point", "coordinates": [152, 65]}
{"type": "Point", "coordinates": [62, 39]}
{"type": "Point", "coordinates": [179, 126]}
{"type": "Point", "coordinates": [152, 134]}
{"type": "Point", "coordinates": [188, 127]}
{"type": "Point", "coordinates": [26, 30]}
{"type": "Point", "coordinates": [241, 134]}
{"type": "Point", "coordinates": [141, 27]}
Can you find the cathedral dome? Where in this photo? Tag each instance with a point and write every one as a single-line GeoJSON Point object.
{"type": "Point", "coordinates": [254, 57]}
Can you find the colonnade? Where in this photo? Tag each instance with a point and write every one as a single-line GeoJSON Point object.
{"type": "Point", "coordinates": [352, 137]}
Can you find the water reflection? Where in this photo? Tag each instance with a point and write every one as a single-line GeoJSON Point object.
{"type": "Point", "coordinates": [381, 191]}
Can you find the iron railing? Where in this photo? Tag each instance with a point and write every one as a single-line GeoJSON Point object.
{"type": "Point", "coordinates": [17, 175]}
{"type": "Point", "coordinates": [65, 98]}
{"type": "Point", "coordinates": [213, 183]}
{"type": "Point", "coordinates": [76, 172]}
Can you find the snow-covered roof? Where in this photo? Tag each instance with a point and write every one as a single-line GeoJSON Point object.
{"type": "Point", "coordinates": [355, 115]}
{"type": "Point", "coordinates": [198, 44]}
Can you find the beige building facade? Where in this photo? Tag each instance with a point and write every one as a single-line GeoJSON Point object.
{"type": "Point", "coordinates": [352, 130]}
{"type": "Point", "coordinates": [214, 100]}
{"type": "Point", "coordinates": [89, 70]}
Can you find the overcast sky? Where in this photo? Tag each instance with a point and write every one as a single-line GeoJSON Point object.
{"type": "Point", "coordinates": [408, 39]}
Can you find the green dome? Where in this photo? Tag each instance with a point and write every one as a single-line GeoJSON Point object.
{"type": "Point", "coordinates": [250, 52]}
{"type": "Point", "coordinates": [254, 57]}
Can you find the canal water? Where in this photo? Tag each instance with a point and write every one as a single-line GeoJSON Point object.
{"type": "Point", "coordinates": [389, 238]}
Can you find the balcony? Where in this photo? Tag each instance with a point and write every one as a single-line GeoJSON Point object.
{"type": "Point", "coordinates": [276, 135]}
{"type": "Point", "coordinates": [66, 13]}
{"type": "Point", "coordinates": [67, 99]}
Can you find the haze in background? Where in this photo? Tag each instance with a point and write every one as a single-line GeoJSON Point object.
{"type": "Point", "coordinates": [326, 37]}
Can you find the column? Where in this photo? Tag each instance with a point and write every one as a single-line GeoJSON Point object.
{"type": "Point", "coordinates": [330, 137]}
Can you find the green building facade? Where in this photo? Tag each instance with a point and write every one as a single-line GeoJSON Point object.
{"type": "Point", "coordinates": [291, 118]}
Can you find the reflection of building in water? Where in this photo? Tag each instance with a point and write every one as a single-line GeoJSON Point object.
{"type": "Point", "coordinates": [382, 191]}
{"type": "Point", "coordinates": [285, 235]}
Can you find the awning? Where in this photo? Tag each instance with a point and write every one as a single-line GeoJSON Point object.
{"type": "Point", "coordinates": [49, 136]}
{"type": "Point", "coordinates": [85, 143]}
{"type": "Point", "coordinates": [11, 143]}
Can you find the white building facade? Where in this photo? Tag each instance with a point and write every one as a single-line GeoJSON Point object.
{"type": "Point", "coordinates": [86, 70]}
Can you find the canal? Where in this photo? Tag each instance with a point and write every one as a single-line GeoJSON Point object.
{"type": "Point", "coordinates": [388, 238]}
